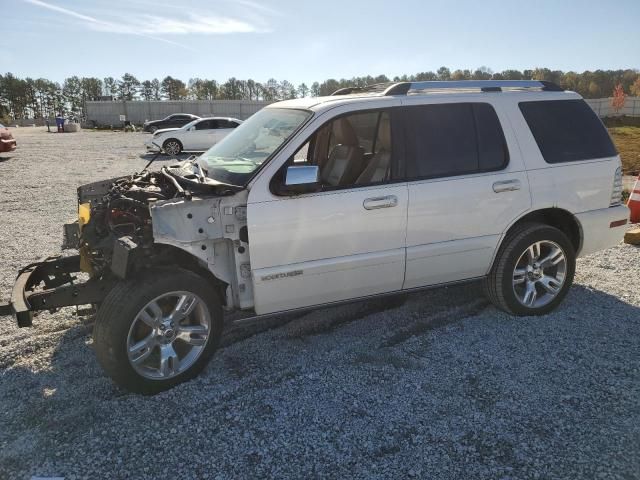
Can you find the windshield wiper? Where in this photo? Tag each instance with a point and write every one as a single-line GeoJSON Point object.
{"type": "Point", "coordinates": [201, 179]}
{"type": "Point", "coordinates": [155, 157]}
{"type": "Point", "coordinates": [201, 171]}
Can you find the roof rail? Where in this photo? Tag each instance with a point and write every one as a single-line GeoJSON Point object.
{"type": "Point", "coordinates": [403, 88]}
{"type": "Point", "coordinates": [373, 88]}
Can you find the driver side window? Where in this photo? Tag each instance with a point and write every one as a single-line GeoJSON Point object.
{"type": "Point", "coordinates": [351, 150]}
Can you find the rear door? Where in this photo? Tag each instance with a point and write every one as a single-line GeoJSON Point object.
{"type": "Point", "coordinates": [467, 184]}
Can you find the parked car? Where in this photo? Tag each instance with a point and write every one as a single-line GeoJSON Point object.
{"type": "Point", "coordinates": [196, 136]}
{"type": "Point", "coordinates": [175, 120]}
{"type": "Point", "coordinates": [369, 192]}
{"type": "Point", "coordinates": [7, 142]}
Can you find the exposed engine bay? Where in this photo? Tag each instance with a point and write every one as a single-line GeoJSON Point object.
{"type": "Point", "coordinates": [117, 212]}
{"type": "Point", "coordinates": [123, 211]}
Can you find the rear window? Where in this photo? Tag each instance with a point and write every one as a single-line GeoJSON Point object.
{"type": "Point", "coordinates": [453, 139]}
{"type": "Point", "coordinates": [567, 130]}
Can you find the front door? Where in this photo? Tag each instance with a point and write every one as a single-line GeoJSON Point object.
{"type": "Point", "coordinates": [344, 242]}
{"type": "Point", "coordinates": [201, 137]}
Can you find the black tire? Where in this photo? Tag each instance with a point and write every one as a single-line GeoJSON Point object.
{"type": "Point", "coordinates": [122, 305]}
{"type": "Point", "coordinates": [172, 146]}
{"type": "Point", "coordinates": [499, 287]}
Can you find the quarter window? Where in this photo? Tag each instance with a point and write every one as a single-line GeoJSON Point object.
{"type": "Point", "coordinates": [567, 130]}
{"type": "Point", "coordinates": [453, 139]}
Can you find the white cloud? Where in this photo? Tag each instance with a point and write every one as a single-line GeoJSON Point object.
{"type": "Point", "coordinates": [153, 24]}
{"type": "Point", "coordinates": [65, 11]}
{"type": "Point", "coordinates": [150, 26]}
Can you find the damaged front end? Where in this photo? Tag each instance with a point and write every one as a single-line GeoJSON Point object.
{"type": "Point", "coordinates": [114, 239]}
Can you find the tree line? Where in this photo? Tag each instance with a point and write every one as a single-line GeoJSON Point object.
{"type": "Point", "coordinates": [40, 98]}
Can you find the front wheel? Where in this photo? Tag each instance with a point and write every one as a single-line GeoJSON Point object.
{"type": "Point", "coordinates": [533, 270]}
{"type": "Point", "coordinates": [158, 331]}
{"type": "Point", "coordinates": [172, 147]}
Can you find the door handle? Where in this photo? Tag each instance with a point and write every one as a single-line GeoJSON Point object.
{"type": "Point", "coordinates": [506, 186]}
{"type": "Point", "coordinates": [380, 202]}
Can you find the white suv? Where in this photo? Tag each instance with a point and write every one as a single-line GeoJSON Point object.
{"type": "Point", "coordinates": [368, 192]}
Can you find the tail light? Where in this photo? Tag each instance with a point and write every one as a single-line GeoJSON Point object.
{"type": "Point", "coordinates": [616, 193]}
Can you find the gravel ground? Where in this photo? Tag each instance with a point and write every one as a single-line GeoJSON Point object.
{"type": "Point", "coordinates": [435, 385]}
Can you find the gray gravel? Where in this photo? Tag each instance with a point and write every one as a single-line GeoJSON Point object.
{"type": "Point", "coordinates": [437, 385]}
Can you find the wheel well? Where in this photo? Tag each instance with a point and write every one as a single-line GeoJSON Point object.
{"type": "Point", "coordinates": [558, 218]}
{"type": "Point", "coordinates": [168, 255]}
{"type": "Point", "coordinates": [169, 139]}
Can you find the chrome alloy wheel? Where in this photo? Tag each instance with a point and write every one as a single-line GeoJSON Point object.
{"type": "Point", "coordinates": [172, 148]}
{"type": "Point", "coordinates": [539, 274]}
{"type": "Point", "coordinates": [168, 335]}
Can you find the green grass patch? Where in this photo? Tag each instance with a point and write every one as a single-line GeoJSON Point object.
{"type": "Point", "coordinates": [627, 140]}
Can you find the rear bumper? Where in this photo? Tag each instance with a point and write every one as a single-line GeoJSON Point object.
{"type": "Point", "coordinates": [48, 285]}
{"type": "Point", "coordinates": [602, 228]}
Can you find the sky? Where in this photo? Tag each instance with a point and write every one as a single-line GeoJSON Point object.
{"type": "Point", "coordinates": [302, 41]}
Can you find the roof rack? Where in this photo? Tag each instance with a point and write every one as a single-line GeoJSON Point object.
{"type": "Point", "coordinates": [373, 88]}
{"type": "Point", "coordinates": [405, 88]}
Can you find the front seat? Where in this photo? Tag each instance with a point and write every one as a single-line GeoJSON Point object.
{"type": "Point", "coordinates": [378, 168]}
{"type": "Point", "coordinates": [346, 159]}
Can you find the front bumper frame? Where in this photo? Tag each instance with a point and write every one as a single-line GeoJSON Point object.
{"type": "Point", "coordinates": [49, 285]}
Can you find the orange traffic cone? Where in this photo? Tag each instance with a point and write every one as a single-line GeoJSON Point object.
{"type": "Point", "coordinates": [634, 202]}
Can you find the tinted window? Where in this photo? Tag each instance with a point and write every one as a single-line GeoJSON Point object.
{"type": "Point", "coordinates": [205, 125]}
{"type": "Point", "coordinates": [567, 130]}
{"type": "Point", "coordinates": [492, 147]}
{"type": "Point", "coordinates": [453, 139]}
{"type": "Point", "coordinates": [226, 124]}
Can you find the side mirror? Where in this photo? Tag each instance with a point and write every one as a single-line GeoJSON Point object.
{"type": "Point", "coordinates": [302, 179]}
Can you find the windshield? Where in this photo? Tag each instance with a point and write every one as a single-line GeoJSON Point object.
{"type": "Point", "coordinates": [235, 158]}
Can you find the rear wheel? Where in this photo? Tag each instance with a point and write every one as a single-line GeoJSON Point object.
{"type": "Point", "coordinates": [158, 331]}
{"type": "Point", "coordinates": [533, 270]}
{"type": "Point", "coordinates": [172, 147]}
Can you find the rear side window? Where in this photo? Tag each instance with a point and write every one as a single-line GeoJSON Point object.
{"type": "Point", "coordinates": [567, 130]}
{"type": "Point", "coordinates": [453, 139]}
{"type": "Point", "coordinates": [226, 124]}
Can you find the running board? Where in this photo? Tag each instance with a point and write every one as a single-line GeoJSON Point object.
{"type": "Point", "coordinates": [252, 318]}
